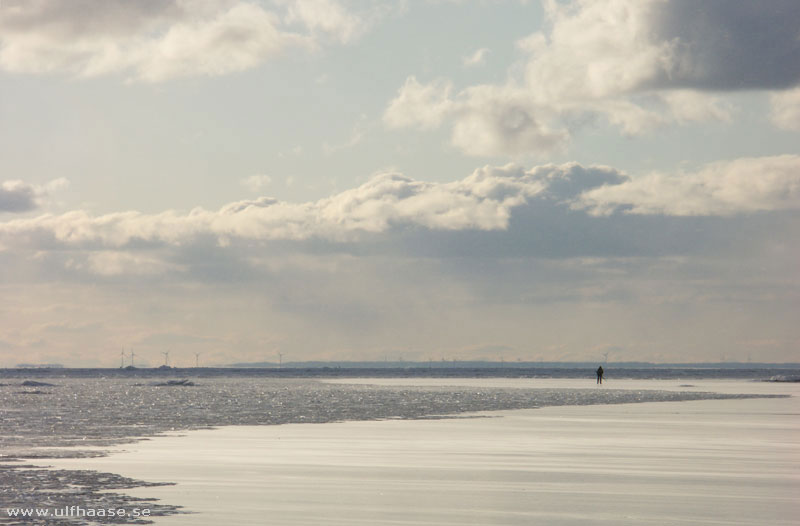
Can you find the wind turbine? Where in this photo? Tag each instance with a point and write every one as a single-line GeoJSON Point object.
{"type": "Point", "coordinates": [132, 355]}
{"type": "Point", "coordinates": [166, 357]}
{"type": "Point", "coordinates": [122, 359]}
{"type": "Point", "coordinates": [605, 356]}
{"type": "Point", "coordinates": [280, 360]}
{"type": "Point", "coordinates": [197, 359]}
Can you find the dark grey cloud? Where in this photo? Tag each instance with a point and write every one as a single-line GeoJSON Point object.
{"type": "Point", "coordinates": [727, 45]}
{"type": "Point", "coordinates": [548, 230]}
{"type": "Point", "coordinates": [17, 196]}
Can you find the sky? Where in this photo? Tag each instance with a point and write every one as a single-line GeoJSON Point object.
{"type": "Point", "coordinates": [399, 180]}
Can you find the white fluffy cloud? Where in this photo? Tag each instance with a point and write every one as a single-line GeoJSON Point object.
{"type": "Point", "coordinates": [594, 50]}
{"type": "Point", "coordinates": [487, 120]}
{"type": "Point", "coordinates": [721, 188]}
{"type": "Point", "coordinates": [154, 41]}
{"type": "Point", "coordinates": [420, 105]}
{"type": "Point", "coordinates": [237, 39]}
{"type": "Point", "coordinates": [483, 201]}
{"type": "Point", "coordinates": [492, 121]}
{"type": "Point", "coordinates": [640, 64]}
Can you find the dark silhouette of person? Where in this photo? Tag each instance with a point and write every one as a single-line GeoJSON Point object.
{"type": "Point", "coordinates": [600, 375]}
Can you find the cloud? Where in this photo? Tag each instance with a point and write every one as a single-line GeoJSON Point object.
{"type": "Point", "coordinates": [724, 46]}
{"type": "Point", "coordinates": [326, 16]}
{"type": "Point", "coordinates": [491, 121]}
{"type": "Point", "coordinates": [256, 183]}
{"type": "Point", "coordinates": [723, 188]}
{"type": "Point", "coordinates": [18, 196]}
{"type": "Point", "coordinates": [482, 201]}
{"type": "Point", "coordinates": [611, 50]}
{"type": "Point", "coordinates": [693, 106]}
{"type": "Point", "coordinates": [514, 250]}
{"type": "Point", "coordinates": [154, 41]}
{"type": "Point", "coordinates": [601, 49]}
{"type": "Point", "coordinates": [477, 58]}
{"type": "Point", "coordinates": [786, 109]}
{"type": "Point", "coordinates": [237, 39]}
{"type": "Point", "coordinates": [112, 263]}
{"type": "Point", "coordinates": [388, 203]}
{"type": "Point", "coordinates": [638, 64]}
{"type": "Point", "coordinates": [425, 106]}
{"type": "Point", "coordinates": [487, 120]}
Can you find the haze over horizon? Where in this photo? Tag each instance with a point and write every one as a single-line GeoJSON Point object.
{"type": "Point", "coordinates": [340, 180]}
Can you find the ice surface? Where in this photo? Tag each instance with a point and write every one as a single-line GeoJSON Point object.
{"type": "Point", "coordinates": [75, 416]}
{"type": "Point", "coordinates": [701, 463]}
{"type": "Point", "coordinates": [104, 411]}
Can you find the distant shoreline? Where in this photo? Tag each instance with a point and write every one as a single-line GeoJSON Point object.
{"type": "Point", "coordinates": [416, 370]}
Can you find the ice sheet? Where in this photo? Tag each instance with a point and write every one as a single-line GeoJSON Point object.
{"type": "Point", "coordinates": [705, 385]}
{"type": "Point", "coordinates": [697, 462]}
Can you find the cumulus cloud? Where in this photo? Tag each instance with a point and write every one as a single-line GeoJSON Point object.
{"type": "Point", "coordinates": [390, 202]}
{"type": "Point", "coordinates": [19, 196]}
{"type": "Point", "coordinates": [723, 188]}
{"type": "Point", "coordinates": [639, 64]}
{"type": "Point", "coordinates": [593, 50]}
{"type": "Point", "coordinates": [483, 201]}
{"type": "Point", "coordinates": [601, 49]}
{"type": "Point", "coordinates": [487, 120]}
{"type": "Point", "coordinates": [422, 105]}
{"type": "Point", "coordinates": [494, 121]}
{"type": "Point", "coordinates": [157, 40]}
{"type": "Point", "coordinates": [236, 39]}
